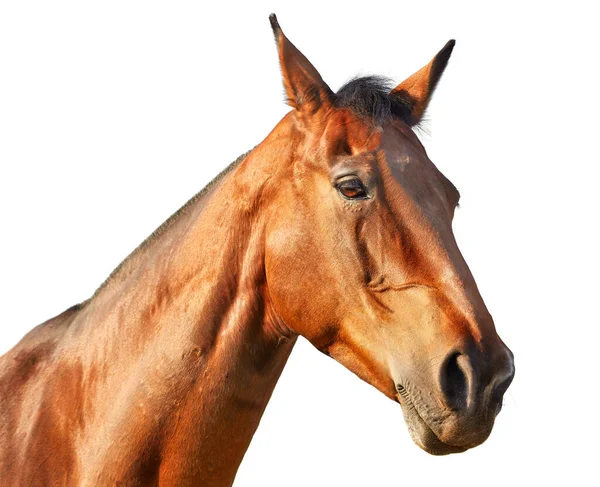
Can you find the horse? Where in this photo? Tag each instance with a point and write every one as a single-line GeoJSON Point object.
{"type": "Point", "coordinates": [337, 227]}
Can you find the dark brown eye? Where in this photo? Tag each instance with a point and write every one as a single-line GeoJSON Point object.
{"type": "Point", "coordinates": [352, 189]}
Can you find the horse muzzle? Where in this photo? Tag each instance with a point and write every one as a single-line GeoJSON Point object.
{"type": "Point", "coordinates": [456, 412]}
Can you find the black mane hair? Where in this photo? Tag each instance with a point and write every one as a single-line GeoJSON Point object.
{"type": "Point", "coordinates": [369, 97]}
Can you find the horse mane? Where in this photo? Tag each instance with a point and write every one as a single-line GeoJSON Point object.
{"type": "Point", "coordinates": [168, 223]}
{"type": "Point", "coordinates": [370, 97]}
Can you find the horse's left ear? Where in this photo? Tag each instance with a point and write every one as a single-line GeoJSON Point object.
{"type": "Point", "coordinates": [417, 90]}
{"type": "Point", "coordinates": [305, 89]}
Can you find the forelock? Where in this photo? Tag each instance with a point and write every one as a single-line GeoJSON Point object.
{"type": "Point", "coordinates": [369, 98]}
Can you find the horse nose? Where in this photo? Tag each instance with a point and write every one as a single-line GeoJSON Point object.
{"type": "Point", "coordinates": [502, 379]}
{"type": "Point", "coordinates": [467, 378]}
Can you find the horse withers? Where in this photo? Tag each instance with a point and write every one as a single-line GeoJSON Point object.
{"type": "Point", "coordinates": [336, 227]}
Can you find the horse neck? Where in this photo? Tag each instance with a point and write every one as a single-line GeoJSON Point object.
{"type": "Point", "coordinates": [198, 345]}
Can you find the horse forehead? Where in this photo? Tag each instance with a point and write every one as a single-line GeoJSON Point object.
{"type": "Point", "coordinates": [359, 134]}
{"type": "Point", "coordinates": [402, 149]}
{"type": "Point", "coordinates": [412, 179]}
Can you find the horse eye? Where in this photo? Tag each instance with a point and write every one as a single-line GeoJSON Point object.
{"type": "Point", "coordinates": [352, 189]}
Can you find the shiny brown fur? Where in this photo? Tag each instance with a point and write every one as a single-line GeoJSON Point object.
{"type": "Point", "coordinates": [161, 377]}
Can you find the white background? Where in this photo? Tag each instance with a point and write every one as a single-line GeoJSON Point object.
{"type": "Point", "coordinates": [113, 114]}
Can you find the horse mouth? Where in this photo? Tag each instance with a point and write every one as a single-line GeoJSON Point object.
{"type": "Point", "coordinates": [420, 431]}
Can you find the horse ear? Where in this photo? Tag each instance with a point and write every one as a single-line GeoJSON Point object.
{"type": "Point", "coordinates": [304, 87]}
{"type": "Point", "coordinates": [417, 90]}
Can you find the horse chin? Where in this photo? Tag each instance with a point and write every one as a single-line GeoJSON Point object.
{"type": "Point", "coordinates": [424, 436]}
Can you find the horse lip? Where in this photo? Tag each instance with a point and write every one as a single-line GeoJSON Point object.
{"type": "Point", "coordinates": [421, 433]}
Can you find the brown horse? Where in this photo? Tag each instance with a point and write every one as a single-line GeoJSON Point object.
{"type": "Point", "coordinates": [337, 227]}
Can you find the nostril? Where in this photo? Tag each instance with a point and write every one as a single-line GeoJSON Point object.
{"type": "Point", "coordinates": [454, 383]}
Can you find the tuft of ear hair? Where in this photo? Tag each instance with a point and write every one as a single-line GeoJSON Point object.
{"type": "Point", "coordinates": [417, 90]}
{"type": "Point", "coordinates": [305, 89]}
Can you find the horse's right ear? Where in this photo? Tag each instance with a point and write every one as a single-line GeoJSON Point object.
{"type": "Point", "coordinates": [416, 90]}
{"type": "Point", "coordinates": [305, 89]}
